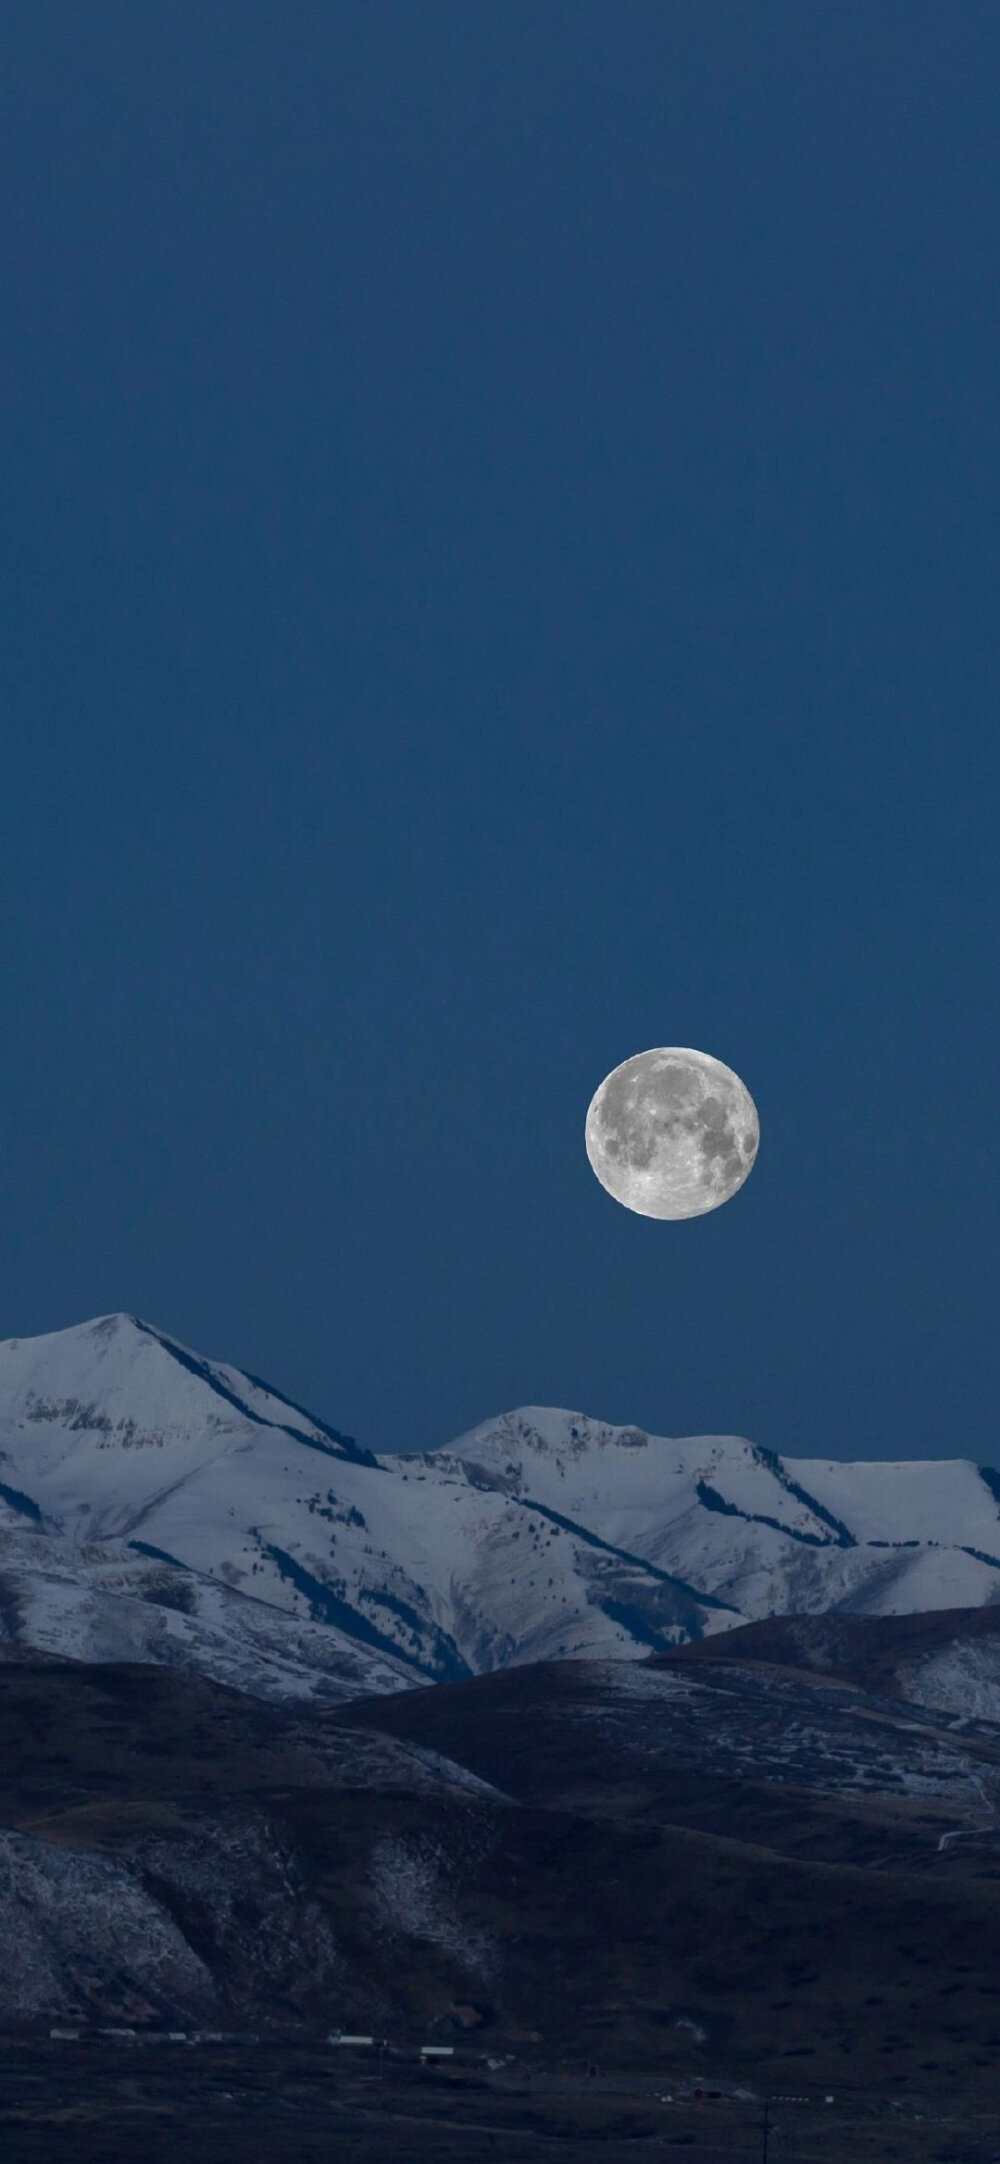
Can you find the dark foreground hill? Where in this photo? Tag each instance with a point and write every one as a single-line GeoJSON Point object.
{"type": "Point", "coordinates": [749, 1864]}
{"type": "Point", "coordinates": [810, 1871]}
{"type": "Point", "coordinates": [702, 1863]}
{"type": "Point", "coordinates": [948, 1658]}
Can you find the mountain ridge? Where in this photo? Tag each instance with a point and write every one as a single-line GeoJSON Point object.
{"type": "Point", "coordinates": [137, 1476]}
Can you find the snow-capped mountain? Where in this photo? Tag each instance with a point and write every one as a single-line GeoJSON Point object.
{"type": "Point", "coordinates": [157, 1505]}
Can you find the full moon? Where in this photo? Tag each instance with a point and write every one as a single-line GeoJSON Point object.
{"type": "Point", "coordinates": [672, 1133]}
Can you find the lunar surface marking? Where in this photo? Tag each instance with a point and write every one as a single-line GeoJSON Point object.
{"type": "Point", "coordinates": [672, 1133]}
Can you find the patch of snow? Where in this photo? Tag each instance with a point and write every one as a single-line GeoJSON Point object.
{"type": "Point", "coordinates": [962, 1679]}
{"type": "Point", "coordinates": [70, 1922]}
{"type": "Point", "coordinates": [411, 1879]}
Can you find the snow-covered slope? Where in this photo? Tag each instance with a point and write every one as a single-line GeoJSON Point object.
{"type": "Point", "coordinates": [107, 1603]}
{"type": "Point", "coordinates": [766, 1535]}
{"type": "Point", "coordinates": [176, 1509]}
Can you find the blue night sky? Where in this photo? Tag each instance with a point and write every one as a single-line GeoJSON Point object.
{"type": "Point", "coordinates": [500, 571]}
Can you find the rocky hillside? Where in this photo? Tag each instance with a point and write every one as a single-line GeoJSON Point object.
{"type": "Point", "coordinates": [699, 1863]}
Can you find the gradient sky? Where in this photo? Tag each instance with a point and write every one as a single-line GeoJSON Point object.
{"type": "Point", "coordinates": [500, 512]}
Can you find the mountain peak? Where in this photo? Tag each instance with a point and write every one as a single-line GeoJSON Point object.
{"type": "Point", "coordinates": [117, 1388]}
{"type": "Point", "coordinates": [546, 1430]}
